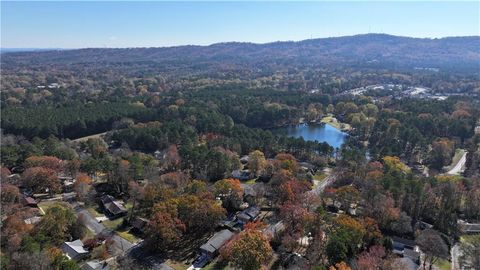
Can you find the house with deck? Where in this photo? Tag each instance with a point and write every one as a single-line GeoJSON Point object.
{"type": "Point", "coordinates": [112, 208]}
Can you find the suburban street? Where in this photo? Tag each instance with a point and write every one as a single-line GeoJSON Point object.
{"type": "Point", "coordinates": [318, 189]}
{"type": "Point", "coordinates": [460, 164]}
{"type": "Point", "coordinates": [98, 228]}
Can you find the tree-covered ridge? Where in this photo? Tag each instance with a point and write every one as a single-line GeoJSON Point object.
{"type": "Point", "coordinates": [358, 49]}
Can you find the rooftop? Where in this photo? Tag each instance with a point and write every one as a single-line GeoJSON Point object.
{"type": "Point", "coordinates": [217, 241]}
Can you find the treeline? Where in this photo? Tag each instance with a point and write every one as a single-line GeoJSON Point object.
{"type": "Point", "coordinates": [69, 120]}
{"type": "Point", "coordinates": [407, 127]}
{"type": "Point", "coordinates": [261, 108]}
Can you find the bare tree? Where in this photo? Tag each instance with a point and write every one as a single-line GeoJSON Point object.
{"type": "Point", "coordinates": [434, 247]}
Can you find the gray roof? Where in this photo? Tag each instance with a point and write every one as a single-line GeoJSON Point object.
{"type": "Point", "coordinates": [73, 249]}
{"type": "Point", "coordinates": [273, 229]}
{"type": "Point", "coordinates": [96, 265]}
{"type": "Point", "coordinates": [253, 212]}
{"type": "Point", "coordinates": [412, 254]}
{"type": "Point", "coordinates": [217, 241]}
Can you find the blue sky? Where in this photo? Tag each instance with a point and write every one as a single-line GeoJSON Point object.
{"type": "Point", "coordinates": [153, 24]}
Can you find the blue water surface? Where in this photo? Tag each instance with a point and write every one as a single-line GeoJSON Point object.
{"type": "Point", "coordinates": [311, 132]}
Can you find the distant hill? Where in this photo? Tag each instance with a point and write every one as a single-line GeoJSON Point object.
{"type": "Point", "coordinates": [362, 50]}
{"type": "Point", "coordinates": [9, 50]}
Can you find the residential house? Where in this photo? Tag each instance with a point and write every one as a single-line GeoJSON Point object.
{"type": "Point", "coordinates": [67, 183]}
{"type": "Point", "coordinates": [139, 225]}
{"type": "Point", "coordinates": [74, 250]}
{"type": "Point", "coordinates": [422, 225]}
{"type": "Point", "coordinates": [244, 159]}
{"type": "Point", "coordinates": [29, 201]}
{"type": "Point", "coordinates": [307, 167]}
{"type": "Point", "coordinates": [214, 244]}
{"type": "Point", "coordinates": [242, 175]}
{"type": "Point", "coordinates": [273, 230]}
{"type": "Point", "coordinates": [112, 208]}
{"type": "Point", "coordinates": [96, 265]}
{"type": "Point", "coordinates": [406, 248]}
{"type": "Point", "coordinates": [468, 228]}
{"type": "Point", "coordinates": [248, 215]}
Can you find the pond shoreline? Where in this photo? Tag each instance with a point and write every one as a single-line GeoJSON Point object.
{"type": "Point", "coordinates": [317, 131]}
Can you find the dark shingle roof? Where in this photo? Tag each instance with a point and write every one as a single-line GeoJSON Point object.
{"type": "Point", "coordinates": [112, 206]}
{"type": "Point", "coordinates": [217, 241]}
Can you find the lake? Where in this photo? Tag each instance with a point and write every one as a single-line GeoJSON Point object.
{"type": "Point", "coordinates": [311, 132]}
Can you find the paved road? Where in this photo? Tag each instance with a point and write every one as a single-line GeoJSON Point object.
{"type": "Point", "coordinates": [460, 164]}
{"type": "Point", "coordinates": [317, 190]}
{"type": "Point", "coordinates": [456, 253]}
{"type": "Point", "coordinates": [98, 228]}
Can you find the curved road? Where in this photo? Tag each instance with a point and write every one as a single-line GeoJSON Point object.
{"type": "Point", "coordinates": [460, 164]}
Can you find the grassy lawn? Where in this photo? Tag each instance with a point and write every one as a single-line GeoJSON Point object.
{"type": "Point", "coordinates": [45, 205]}
{"type": "Point", "coordinates": [177, 265]}
{"type": "Point", "coordinates": [128, 206]}
{"type": "Point", "coordinates": [443, 264]}
{"type": "Point", "coordinates": [95, 212]}
{"type": "Point", "coordinates": [319, 176]}
{"type": "Point", "coordinates": [88, 235]}
{"type": "Point", "coordinates": [251, 181]}
{"type": "Point", "coordinates": [113, 224]}
{"type": "Point", "coordinates": [215, 265]}
{"type": "Point", "coordinates": [329, 119]}
{"type": "Point", "coordinates": [128, 236]}
{"type": "Point", "coordinates": [465, 237]}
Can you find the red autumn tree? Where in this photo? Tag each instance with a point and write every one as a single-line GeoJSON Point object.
{"type": "Point", "coordinates": [82, 186]}
{"type": "Point", "coordinates": [293, 190]}
{"type": "Point", "coordinates": [49, 162]}
{"type": "Point", "coordinates": [230, 191]}
{"type": "Point", "coordinates": [296, 218]}
{"type": "Point", "coordinates": [10, 194]}
{"type": "Point", "coordinates": [163, 231]}
{"type": "Point", "coordinates": [250, 250]}
{"type": "Point", "coordinates": [172, 158]}
{"type": "Point", "coordinates": [371, 259]}
{"type": "Point", "coordinates": [40, 179]}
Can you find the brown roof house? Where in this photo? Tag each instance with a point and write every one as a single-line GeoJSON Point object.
{"type": "Point", "coordinates": [29, 201]}
{"type": "Point", "coordinates": [112, 208]}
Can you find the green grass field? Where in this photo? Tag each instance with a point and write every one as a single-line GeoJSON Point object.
{"type": "Point", "coordinates": [128, 236]}
{"type": "Point", "coordinates": [329, 119]}
{"type": "Point", "coordinates": [45, 205]}
{"type": "Point", "coordinates": [177, 265]}
{"type": "Point", "coordinates": [443, 264]}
